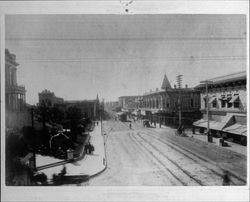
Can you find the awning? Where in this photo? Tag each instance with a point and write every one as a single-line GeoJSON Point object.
{"type": "Point", "coordinates": [200, 123]}
{"type": "Point", "coordinates": [223, 98]}
{"type": "Point", "coordinates": [212, 100]}
{"type": "Point", "coordinates": [236, 129]}
{"type": "Point", "coordinates": [214, 125]}
{"type": "Point", "coordinates": [234, 99]}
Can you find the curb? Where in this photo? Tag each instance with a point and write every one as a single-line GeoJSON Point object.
{"type": "Point", "coordinates": [106, 163]}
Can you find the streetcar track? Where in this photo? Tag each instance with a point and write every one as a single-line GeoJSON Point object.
{"type": "Point", "coordinates": [156, 159]}
{"type": "Point", "coordinates": [204, 160]}
{"type": "Point", "coordinates": [173, 162]}
{"type": "Point", "coordinates": [198, 156]}
{"type": "Point", "coordinates": [186, 155]}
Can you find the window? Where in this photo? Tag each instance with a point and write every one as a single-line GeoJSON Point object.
{"type": "Point", "coordinates": [192, 102]}
{"type": "Point", "coordinates": [223, 103]}
{"type": "Point", "coordinates": [229, 105]}
{"type": "Point", "coordinates": [236, 104]}
{"type": "Point", "coordinates": [214, 104]}
{"type": "Point", "coordinates": [205, 103]}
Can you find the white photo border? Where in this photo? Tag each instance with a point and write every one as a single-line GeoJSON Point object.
{"type": "Point", "coordinates": [111, 193]}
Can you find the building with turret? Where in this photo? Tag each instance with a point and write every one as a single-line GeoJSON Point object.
{"type": "Point", "coordinates": [171, 106]}
{"type": "Point", "coordinates": [14, 93]}
{"type": "Point", "coordinates": [17, 114]}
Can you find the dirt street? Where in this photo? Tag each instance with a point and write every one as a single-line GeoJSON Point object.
{"type": "Point", "coordinates": [155, 157]}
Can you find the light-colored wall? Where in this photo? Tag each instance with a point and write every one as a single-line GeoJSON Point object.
{"type": "Point", "coordinates": [240, 90]}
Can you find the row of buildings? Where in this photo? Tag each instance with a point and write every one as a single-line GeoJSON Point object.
{"type": "Point", "coordinates": [89, 108]}
{"type": "Point", "coordinates": [227, 105]}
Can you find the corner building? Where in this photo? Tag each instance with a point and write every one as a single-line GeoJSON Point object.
{"type": "Point", "coordinates": [166, 105]}
{"type": "Point", "coordinates": [227, 107]}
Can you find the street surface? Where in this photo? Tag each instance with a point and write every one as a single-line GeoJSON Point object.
{"type": "Point", "coordinates": [156, 157]}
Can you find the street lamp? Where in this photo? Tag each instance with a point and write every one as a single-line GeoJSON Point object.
{"type": "Point", "coordinates": [207, 99]}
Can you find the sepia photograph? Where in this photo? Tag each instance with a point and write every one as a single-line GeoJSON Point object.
{"type": "Point", "coordinates": [125, 100]}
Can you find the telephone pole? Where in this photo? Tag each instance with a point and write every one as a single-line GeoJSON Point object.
{"type": "Point", "coordinates": [209, 139]}
{"type": "Point", "coordinates": [179, 84]}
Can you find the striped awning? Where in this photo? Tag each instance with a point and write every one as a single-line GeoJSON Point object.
{"type": "Point", "coordinates": [236, 128]}
{"type": "Point", "coordinates": [235, 98]}
{"type": "Point", "coordinates": [215, 125]}
{"type": "Point", "coordinates": [212, 100]}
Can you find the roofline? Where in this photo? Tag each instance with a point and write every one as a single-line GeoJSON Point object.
{"type": "Point", "coordinates": [227, 75]}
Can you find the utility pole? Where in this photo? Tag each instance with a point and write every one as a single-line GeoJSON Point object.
{"type": "Point", "coordinates": [33, 163]}
{"type": "Point", "coordinates": [179, 83]}
{"type": "Point", "coordinates": [102, 109]}
{"type": "Point", "coordinates": [207, 109]}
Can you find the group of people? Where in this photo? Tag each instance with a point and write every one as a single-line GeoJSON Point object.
{"type": "Point", "coordinates": [89, 148]}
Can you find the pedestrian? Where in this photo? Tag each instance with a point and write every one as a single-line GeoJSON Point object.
{"type": "Point", "coordinates": [193, 129]}
{"type": "Point", "coordinates": [183, 128]}
{"type": "Point", "coordinates": [63, 171]}
{"type": "Point", "coordinates": [179, 130]}
{"type": "Point", "coordinates": [130, 125]}
{"type": "Point", "coordinates": [226, 179]}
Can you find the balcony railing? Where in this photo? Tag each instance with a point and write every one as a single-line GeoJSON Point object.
{"type": "Point", "coordinates": [15, 88]}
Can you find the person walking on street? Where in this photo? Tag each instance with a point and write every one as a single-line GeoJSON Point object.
{"type": "Point", "coordinates": [130, 125]}
{"type": "Point", "coordinates": [226, 179]}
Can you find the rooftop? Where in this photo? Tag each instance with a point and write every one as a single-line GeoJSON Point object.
{"type": "Point", "coordinates": [237, 76]}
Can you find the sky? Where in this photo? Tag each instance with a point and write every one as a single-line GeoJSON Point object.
{"type": "Point", "coordinates": [80, 56]}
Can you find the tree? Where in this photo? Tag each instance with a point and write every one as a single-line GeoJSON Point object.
{"type": "Point", "coordinates": [74, 113]}
{"type": "Point", "coordinates": [73, 117]}
{"type": "Point", "coordinates": [56, 115]}
{"type": "Point", "coordinates": [45, 114]}
{"type": "Point", "coordinates": [42, 114]}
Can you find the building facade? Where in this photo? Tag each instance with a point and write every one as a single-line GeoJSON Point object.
{"type": "Point", "coordinates": [89, 108]}
{"type": "Point", "coordinates": [112, 105]}
{"type": "Point", "coordinates": [227, 106]}
{"type": "Point", "coordinates": [129, 103]}
{"type": "Point", "coordinates": [15, 99]}
{"type": "Point", "coordinates": [17, 114]}
{"type": "Point", "coordinates": [171, 106]}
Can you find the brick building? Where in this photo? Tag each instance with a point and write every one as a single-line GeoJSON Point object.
{"type": "Point", "coordinates": [164, 106]}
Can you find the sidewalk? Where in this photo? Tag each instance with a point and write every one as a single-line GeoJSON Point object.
{"type": "Point", "coordinates": [232, 146]}
{"type": "Point", "coordinates": [89, 165]}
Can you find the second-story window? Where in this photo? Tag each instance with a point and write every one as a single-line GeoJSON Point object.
{"type": "Point", "coordinates": [223, 101]}
{"type": "Point", "coordinates": [237, 104]}
{"type": "Point", "coordinates": [229, 99]}
{"type": "Point", "coordinates": [191, 102]}
{"type": "Point", "coordinates": [214, 104]}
